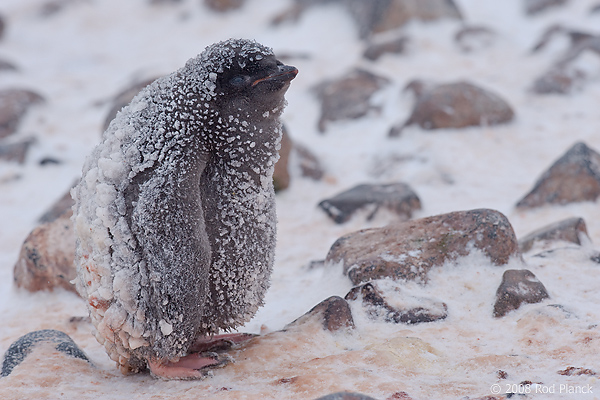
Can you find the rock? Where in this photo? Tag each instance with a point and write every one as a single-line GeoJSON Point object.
{"type": "Point", "coordinates": [14, 104]}
{"type": "Point", "coordinates": [574, 177]}
{"type": "Point", "coordinates": [310, 166]}
{"type": "Point", "coordinates": [533, 7]}
{"type": "Point", "coordinates": [346, 396]}
{"type": "Point", "coordinates": [376, 49]}
{"type": "Point", "coordinates": [26, 344]}
{"type": "Point", "coordinates": [385, 299]}
{"type": "Point", "coordinates": [397, 197]}
{"type": "Point", "coordinates": [47, 257]}
{"type": "Point", "coordinates": [559, 81]}
{"type": "Point", "coordinates": [334, 312]}
{"type": "Point", "coordinates": [595, 9]}
{"type": "Point", "coordinates": [454, 105]}
{"type": "Point", "coordinates": [518, 286]}
{"type": "Point", "coordinates": [575, 36]}
{"type": "Point", "coordinates": [124, 98]}
{"type": "Point", "coordinates": [473, 38]}
{"type": "Point", "coordinates": [223, 5]}
{"type": "Point", "coordinates": [571, 371]}
{"type": "Point", "coordinates": [348, 97]}
{"type": "Point", "coordinates": [7, 66]}
{"type": "Point", "coordinates": [568, 230]}
{"type": "Point", "coordinates": [281, 175]}
{"type": "Point", "coordinates": [16, 151]}
{"type": "Point", "coordinates": [55, 6]}
{"type": "Point", "coordinates": [408, 250]}
{"type": "Point", "coordinates": [164, 2]}
{"type": "Point", "coordinates": [60, 207]}
{"type": "Point", "coordinates": [2, 26]}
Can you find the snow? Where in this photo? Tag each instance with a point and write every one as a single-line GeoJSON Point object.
{"type": "Point", "coordinates": [82, 56]}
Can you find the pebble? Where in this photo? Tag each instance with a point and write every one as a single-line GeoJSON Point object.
{"type": "Point", "coordinates": [568, 230]}
{"type": "Point", "coordinates": [408, 250]}
{"type": "Point", "coordinates": [334, 312]}
{"type": "Point", "coordinates": [518, 286]}
{"type": "Point", "coordinates": [574, 177]}
{"type": "Point", "coordinates": [396, 197]}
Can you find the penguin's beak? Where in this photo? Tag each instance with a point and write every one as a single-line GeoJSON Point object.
{"type": "Point", "coordinates": [285, 74]}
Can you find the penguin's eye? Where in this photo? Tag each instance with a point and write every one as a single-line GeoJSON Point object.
{"type": "Point", "coordinates": [239, 80]}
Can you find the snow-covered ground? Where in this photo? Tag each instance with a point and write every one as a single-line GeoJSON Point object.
{"type": "Point", "coordinates": [83, 55]}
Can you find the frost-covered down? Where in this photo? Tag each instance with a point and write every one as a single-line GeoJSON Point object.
{"type": "Point", "coordinates": [175, 212]}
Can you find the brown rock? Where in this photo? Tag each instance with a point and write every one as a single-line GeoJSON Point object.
{"type": "Point", "coordinates": [223, 5]}
{"type": "Point", "coordinates": [571, 371]}
{"type": "Point", "coordinates": [376, 49]}
{"type": "Point", "coordinates": [408, 250]}
{"type": "Point", "coordinates": [310, 166]}
{"type": "Point", "coordinates": [574, 177]}
{"type": "Point", "coordinates": [397, 197]}
{"type": "Point", "coordinates": [518, 286]}
{"type": "Point", "coordinates": [124, 98]}
{"type": "Point", "coordinates": [454, 105]}
{"type": "Point", "coordinates": [473, 38]}
{"type": "Point", "coordinates": [348, 97]}
{"type": "Point", "coordinates": [47, 257]}
{"type": "Point", "coordinates": [385, 299]}
{"type": "Point", "coordinates": [333, 311]}
{"type": "Point", "coordinates": [16, 151]}
{"type": "Point", "coordinates": [60, 207]}
{"type": "Point", "coordinates": [568, 230]}
{"type": "Point", "coordinates": [346, 396]}
{"type": "Point", "coordinates": [14, 104]}
{"type": "Point", "coordinates": [281, 175]}
{"type": "Point", "coordinates": [559, 81]}
{"type": "Point", "coordinates": [533, 7]}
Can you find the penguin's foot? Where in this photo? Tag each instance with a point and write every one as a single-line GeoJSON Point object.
{"type": "Point", "coordinates": [192, 366]}
{"type": "Point", "coordinates": [220, 342]}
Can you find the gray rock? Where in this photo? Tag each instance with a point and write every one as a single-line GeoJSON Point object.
{"type": "Point", "coordinates": [533, 7]}
{"type": "Point", "coordinates": [376, 49]}
{"type": "Point", "coordinates": [348, 97]}
{"type": "Point", "coordinates": [384, 299]}
{"type": "Point", "coordinates": [568, 230]}
{"type": "Point", "coordinates": [123, 98]}
{"type": "Point", "coordinates": [25, 345]}
{"type": "Point", "coordinates": [16, 151]}
{"type": "Point", "coordinates": [14, 104]}
{"type": "Point", "coordinates": [454, 105]}
{"type": "Point", "coordinates": [60, 207]}
{"type": "Point", "coordinates": [346, 396]}
{"type": "Point", "coordinates": [310, 166]}
{"type": "Point", "coordinates": [408, 250]}
{"type": "Point", "coordinates": [46, 260]}
{"type": "Point", "coordinates": [574, 177]}
{"type": "Point", "coordinates": [7, 65]}
{"type": "Point", "coordinates": [473, 38]}
{"type": "Point", "coordinates": [224, 5]}
{"type": "Point", "coordinates": [518, 286]}
{"type": "Point", "coordinates": [397, 197]}
{"type": "Point", "coordinates": [334, 312]}
{"type": "Point", "coordinates": [559, 81]}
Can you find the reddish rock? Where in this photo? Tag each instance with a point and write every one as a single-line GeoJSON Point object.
{"type": "Point", "coordinates": [533, 7]}
{"type": "Point", "coordinates": [568, 230]}
{"type": "Point", "coordinates": [376, 49]}
{"type": "Point", "coordinates": [385, 299]}
{"type": "Point", "coordinates": [224, 5]}
{"type": "Point", "coordinates": [396, 197]}
{"type": "Point", "coordinates": [47, 257]}
{"type": "Point", "coordinates": [518, 286]}
{"type": "Point", "coordinates": [16, 151]}
{"type": "Point", "coordinates": [408, 250]}
{"type": "Point", "coordinates": [454, 105]}
{"type": "Point", "coordinates": [348, 97]}
{"type": "Point", "coordinates": [14, 104]}
{"type": "Point", "coordinates": [334, 312]}
{"type": "Point", "coordinates": [574, 177]}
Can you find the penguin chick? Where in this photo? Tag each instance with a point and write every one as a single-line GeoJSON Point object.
{"type": "Point", "coordinates": [175, 211]}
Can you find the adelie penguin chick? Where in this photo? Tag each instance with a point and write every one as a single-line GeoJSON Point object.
{"type": "Point", "coordinates": [175, 212]}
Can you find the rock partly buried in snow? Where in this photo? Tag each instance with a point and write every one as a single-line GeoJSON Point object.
{"type": "Point", "coordinates": [7, 66]}
{"type": "Point", "coordinates": [377, 16]}
{"type": "Point", "coordinates": [568, 230]}
{"type": "Point", "coordinates": [27, 344]}
{"type": "Point", "coordinates": [474, 38]}
{"type": "Point", "coordinates": [454, 105]}
{"type": "Point", "coordinates": [518, 286]}
{"type": "Point", "coordinates": [15, 152]}
{"type": "Point", "coordinates": [394, 45]}
{"type": "Point", "coordinates": [47, 257]}
{"type": "Point", "coordinates": [396, 197]}
{"type": "Point", "coordinates": [224, 5]}
{"type": "Point", "coordinates": [61, 206]}
{"type": "Point", "coordinates": [574, 177]}
{"type": "Point", "coordinates": [559, 81]}
{"type": "Point", "coordinates": [348, 97]}
{"type": "Point", "coordinates": [408, 250]}
{"type": "Point", "coordinates": [123, 98]}
{"type": "Point", "coordinates": [533, 7]}
{"type": "Point", "coordinates": [346, 396]}
{"type": "Point", "coordinates": [292, 156]}
{"type": "Point", "coordinates": [14, 104]}
{"type": "Point", "coordinates": [386, 300]}
{"type": "Point", "coordinates": [334, 312]}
